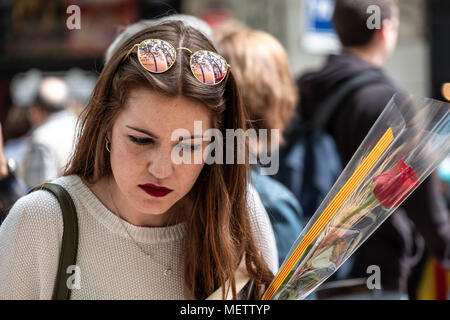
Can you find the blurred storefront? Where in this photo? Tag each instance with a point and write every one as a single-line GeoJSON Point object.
{"type": "Point", "coordinates": [41, 34]}
{"type": "Point", "coordinates": [36, 34]}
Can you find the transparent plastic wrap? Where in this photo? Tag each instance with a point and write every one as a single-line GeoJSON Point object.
{"type": "Point", "coordinates": [406, 143]}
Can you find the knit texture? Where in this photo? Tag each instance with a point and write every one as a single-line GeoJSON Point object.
{"type": "Point", "coordinates": [111, 266]}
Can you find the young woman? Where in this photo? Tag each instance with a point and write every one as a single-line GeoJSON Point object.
{"type": "Point", "coordinates": [149, 228]}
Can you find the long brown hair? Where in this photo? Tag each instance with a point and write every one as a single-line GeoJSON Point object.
{"type": "Point", "coordinates": [219, 231]}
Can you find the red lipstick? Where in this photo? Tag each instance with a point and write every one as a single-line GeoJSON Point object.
{"type": "Point", "coordinates": [154, 190]}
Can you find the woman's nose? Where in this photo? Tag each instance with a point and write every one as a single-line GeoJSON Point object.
{"type": "Point", "coordinates": [161, 165]}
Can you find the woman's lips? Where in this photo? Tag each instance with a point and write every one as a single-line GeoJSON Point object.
{"type": "Point", "coordinates": [155, 191]}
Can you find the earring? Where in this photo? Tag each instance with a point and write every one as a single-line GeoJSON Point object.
{"type": "Point", "coordinates": [108, 145]}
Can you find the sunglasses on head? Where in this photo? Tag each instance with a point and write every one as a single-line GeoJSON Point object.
{"type": "Point", "coordinates": [158, 56]}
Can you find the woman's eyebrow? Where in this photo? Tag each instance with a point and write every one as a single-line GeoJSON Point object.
{"type": "Point", "coordinates": [156, 137]}
{"type": "Point", "coordinates": [142, 131]}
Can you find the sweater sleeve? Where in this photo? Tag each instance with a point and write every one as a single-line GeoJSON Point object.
{"type": "Point", "coordinates": [262, 230]}
{"type": "Point", "coordinates": [30, 242]}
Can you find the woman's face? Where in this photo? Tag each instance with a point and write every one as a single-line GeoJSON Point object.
{"type": "Point", "coordinates": [147, 182]}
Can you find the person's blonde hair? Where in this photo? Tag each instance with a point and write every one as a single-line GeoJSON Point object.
{"type": "Point", "coordinates": [261, 68]}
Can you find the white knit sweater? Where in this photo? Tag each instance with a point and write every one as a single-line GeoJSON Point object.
{"type": "Point", "coordinates": [110, 264]}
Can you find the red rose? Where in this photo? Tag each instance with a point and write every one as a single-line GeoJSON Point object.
{"type": "Point", "coordinates": [395, 185]}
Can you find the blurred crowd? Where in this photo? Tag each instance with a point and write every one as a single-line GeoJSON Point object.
{"type": "Point", "coordinates": [39, 129]}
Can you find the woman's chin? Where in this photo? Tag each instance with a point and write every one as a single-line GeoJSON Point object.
{"type": "Point", "coordinates": [155, 209]}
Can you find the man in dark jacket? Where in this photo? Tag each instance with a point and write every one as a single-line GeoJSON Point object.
{"type": "Point", "coordinates": [395, 246]}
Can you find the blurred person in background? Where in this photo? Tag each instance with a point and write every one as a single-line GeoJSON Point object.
{"type": "Point", "coordinates": [15, 140]}
{"type": "Point", "coordinates": [10, 187]}
{"type": "Point", "coordinates": [17, 126]}
{"type": "Point", "coordinates": [81, 84]}
{"type": "Point", "coordinates": [52, 138]}
{"type": "Point", "coordinates": [262, 71]}
{"type": "Point", "coordinates": [398, 244]}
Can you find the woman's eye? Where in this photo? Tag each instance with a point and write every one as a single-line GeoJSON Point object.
{"type": "Point", "coordinates": [189, 147]}
{"type": "Point", "coordinates": [140, 141]}
{"type": "Point", "coordinates": [194, 147]}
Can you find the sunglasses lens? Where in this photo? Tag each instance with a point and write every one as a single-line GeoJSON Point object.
{"type": "Point", "coordinates": [156, 55]}
{"type": "Point", "coordinates": [208, 67]}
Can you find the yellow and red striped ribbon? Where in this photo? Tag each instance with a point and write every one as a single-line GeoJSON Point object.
{"type": "Point", "coordinates": [434, 283]}
{"type": "Point", "coordinates": [330, 211]}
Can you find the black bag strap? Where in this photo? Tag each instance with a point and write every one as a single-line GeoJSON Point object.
{"type": "Point", "coordinates": [326, 109]}
{"type": "Point", "coordinates": [69, 247]}
{"type": "Point", "coordinates": [328, 106]}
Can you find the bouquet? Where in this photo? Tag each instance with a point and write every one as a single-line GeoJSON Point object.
{"type": "Point", "coordinates": [406, 143]}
